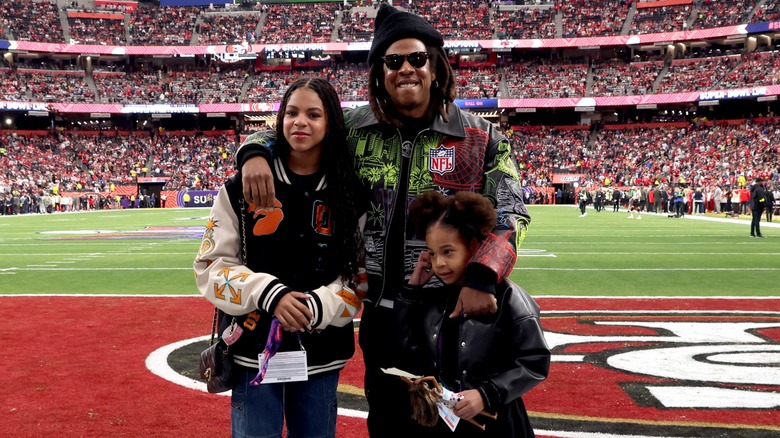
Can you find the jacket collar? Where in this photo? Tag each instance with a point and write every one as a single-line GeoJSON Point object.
{"type": "Point", "coordinates": [453, 128]}
{"type": "Point", "coordinates": [281, 172]}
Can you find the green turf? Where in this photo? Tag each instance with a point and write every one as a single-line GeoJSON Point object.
{"type": "Point", "coordinates": [608, 254]}
{"type": "Point", "coordinates": [601, 254]}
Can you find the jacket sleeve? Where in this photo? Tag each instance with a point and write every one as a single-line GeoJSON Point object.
{"type": "Point", "coordinates": [259, 143]}
{"type": "Point", "coordinates": [530, 351]}
{"type": "Point", "coordinates": [333, 304]}
{"type": "Point", "coordinates": [502, 185]}
{"type": "Point", "coordinates": [220, 274]}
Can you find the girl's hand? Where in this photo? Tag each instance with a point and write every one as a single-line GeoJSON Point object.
{"type": "Point", "coordinates": [292, 314]}
{"type": "Point", "coordinates": [471, 405]}
{"type": "Point", "coordinates": [422, 270]}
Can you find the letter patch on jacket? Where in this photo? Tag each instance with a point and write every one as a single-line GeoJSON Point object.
{"type": "Point", "coordinates": [442, 159]}
{"type": "Point", "coordinates": [321, 220]}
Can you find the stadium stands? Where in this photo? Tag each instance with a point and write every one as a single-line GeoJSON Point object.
{"type": "Point", "coordinates": [630, 149]}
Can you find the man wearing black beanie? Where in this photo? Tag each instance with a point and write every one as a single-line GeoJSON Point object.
{"type": "Point", "coordinates": [410, 139]}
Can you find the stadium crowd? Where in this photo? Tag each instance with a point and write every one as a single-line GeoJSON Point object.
{"type": "Point", "coordinates": [700, 154]}
{"type": "Point", "coordinates": [213, 82]}
{"type": "Point", "coordinates": [42, 163]}
{"type": "Point", "coordinates": [149, 24]}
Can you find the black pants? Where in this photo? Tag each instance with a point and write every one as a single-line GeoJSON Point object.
{"type": "Point", "coordinates": [755, 224]}
{"type": "Point", "coordinates": [389, 412]}
{"type": "Point", "coordinates": [582, 207]}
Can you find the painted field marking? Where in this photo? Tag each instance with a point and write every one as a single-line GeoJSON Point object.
{"type": "Point", "coordinates": [646, 269]}
{"type": "Point", "coordinates": [667, 253]}
{"type": "Point", "coordinates": [560, 434]}
{"type": "Point", "coordinates": [156, 268]}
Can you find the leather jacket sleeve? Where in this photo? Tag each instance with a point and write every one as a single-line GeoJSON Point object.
{"type": "Point", "coordinates": [502, 185]}
{"type": "Point", "coordinates": [259, 143]}
{"type": "Point", "coordinates": [532, 360]}
{"type": "Point", "coordinates": [527, 349]}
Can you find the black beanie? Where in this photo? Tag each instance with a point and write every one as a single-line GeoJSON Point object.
{"type": "Point", "coordinates": [392, 25]}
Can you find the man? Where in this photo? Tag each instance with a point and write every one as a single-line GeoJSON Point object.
{"type": "Point", "coordinates": [658, 199]}
{"type": "Point", "coordinates": [616, 196]}
{"type": "Point", "coordinates": [717, 198]}
{"type": "Point", "coordinates": [410, 140]}
{"type": "Point", "coordinates": [770, 202]}
{"type": "Point", "coordinates": [584, 198]}
{"type": "Point", "coordinates": [757, 204]}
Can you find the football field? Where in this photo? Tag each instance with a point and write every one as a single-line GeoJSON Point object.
{"type": "Point", "coordinates": [150, 251]}
{"type": "Point", "coordinates": [659, 327]}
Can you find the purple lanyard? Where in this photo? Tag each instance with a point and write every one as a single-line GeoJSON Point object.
{"type": "Point", "coordinates": [271, 346]}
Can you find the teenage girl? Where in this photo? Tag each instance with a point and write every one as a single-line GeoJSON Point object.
{"type": "Point", "coordinates": [282, 276]}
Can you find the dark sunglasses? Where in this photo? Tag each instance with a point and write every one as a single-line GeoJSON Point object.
{"type": "Point", "coordinates": [416, 60]}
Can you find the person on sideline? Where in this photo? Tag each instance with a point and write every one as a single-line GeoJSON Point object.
{"type": "Point", "coordinates": [770, 202]}
{"type": "Point", "coordinates": [757, 203]}
{"type": "Point", "coordinates": [282, 276]}
{"type": "Point", "coordinates": [616, 195]}
{"type": "Point", "coordinates": [584, 198]}
{"type": "Point", "coordinates": [412, 138]}
{"type": "Point", "coordinates": [489, 361]}
{"type": "Point", "coordinates": [717, 199]}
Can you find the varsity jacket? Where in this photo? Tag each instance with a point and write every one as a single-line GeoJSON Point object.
{"type": "Point", "coordinates": [286, 249]}
{"type": "Point", "coordinates": [502, 355]}
{"type": "Point", "coordinates": [465, 153]}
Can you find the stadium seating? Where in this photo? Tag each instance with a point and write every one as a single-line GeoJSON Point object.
{"type": "Point", "coordinates": [84, 157]}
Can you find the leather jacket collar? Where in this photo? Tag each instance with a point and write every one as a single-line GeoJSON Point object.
{"type": "Point", "coordinates": [453, 128]}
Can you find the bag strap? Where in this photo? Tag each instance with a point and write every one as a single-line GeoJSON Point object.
{"type": "Point", "coordinates": [214, 327]}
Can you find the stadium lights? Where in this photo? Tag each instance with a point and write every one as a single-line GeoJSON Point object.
{"type": "Point", "coordinates": [9, 121]}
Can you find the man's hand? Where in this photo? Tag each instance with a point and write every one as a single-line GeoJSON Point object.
{"type": "Point", "coordinates": [474, 302]}
{"type": "Point", "coordinates": [292, 314]}
{"type": "Point", "coordinates": [258, 182]}
{"type": "Point", "coordinates": [471, 405]}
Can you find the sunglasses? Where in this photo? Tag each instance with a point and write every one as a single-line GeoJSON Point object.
{"type": "Point", "coordinates": [416, 60]}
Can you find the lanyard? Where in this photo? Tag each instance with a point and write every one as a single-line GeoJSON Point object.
{"type": "Point", "coordinates": [272, 345]}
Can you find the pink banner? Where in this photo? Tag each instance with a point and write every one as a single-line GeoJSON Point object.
{"type": "Point", "coordinates": [128, 5]}
{"type": "Point", "coordinates": [86, 108]}
{"type": "Point", "coordinates": [659, 3]}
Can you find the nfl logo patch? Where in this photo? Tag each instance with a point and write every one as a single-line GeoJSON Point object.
{"type": "Point", "coordinates": [442, 159]}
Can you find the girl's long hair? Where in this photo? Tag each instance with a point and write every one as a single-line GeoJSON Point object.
{"type": "Point", "coordinates": [342, 194]}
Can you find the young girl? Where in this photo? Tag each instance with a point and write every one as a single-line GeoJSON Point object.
{"type": "Point", "coordinates": [491, 361]}
{"type": "Point", "coordinates": [278, 274]}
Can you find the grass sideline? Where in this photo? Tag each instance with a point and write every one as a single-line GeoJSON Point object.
{"type": "Point", "coordinates": [150, 252]}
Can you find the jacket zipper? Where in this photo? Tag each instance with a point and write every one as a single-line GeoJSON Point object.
{"type": "Point", "coordinates": [390, 221]}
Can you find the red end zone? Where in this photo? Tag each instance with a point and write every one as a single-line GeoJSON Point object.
{"type": "Point", "coordinates": [75, 366]}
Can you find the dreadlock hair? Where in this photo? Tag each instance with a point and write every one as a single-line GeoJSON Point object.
{"type": "Point", "coordinates": [443, 89]}
{"type": "Point", "coordinates": [336, 164]}
{"type": "Point", "coordinates": [470, 214]}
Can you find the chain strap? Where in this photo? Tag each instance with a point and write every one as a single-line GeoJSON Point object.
{"type": "Point", "coordinates": [243, 232]}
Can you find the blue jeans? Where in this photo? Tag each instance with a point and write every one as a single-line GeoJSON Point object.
{"type": "Point", "coordinates": [309, 407]}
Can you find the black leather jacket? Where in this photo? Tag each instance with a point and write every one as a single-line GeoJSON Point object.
{"type": "Point", "coordinates": [502, 355]}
